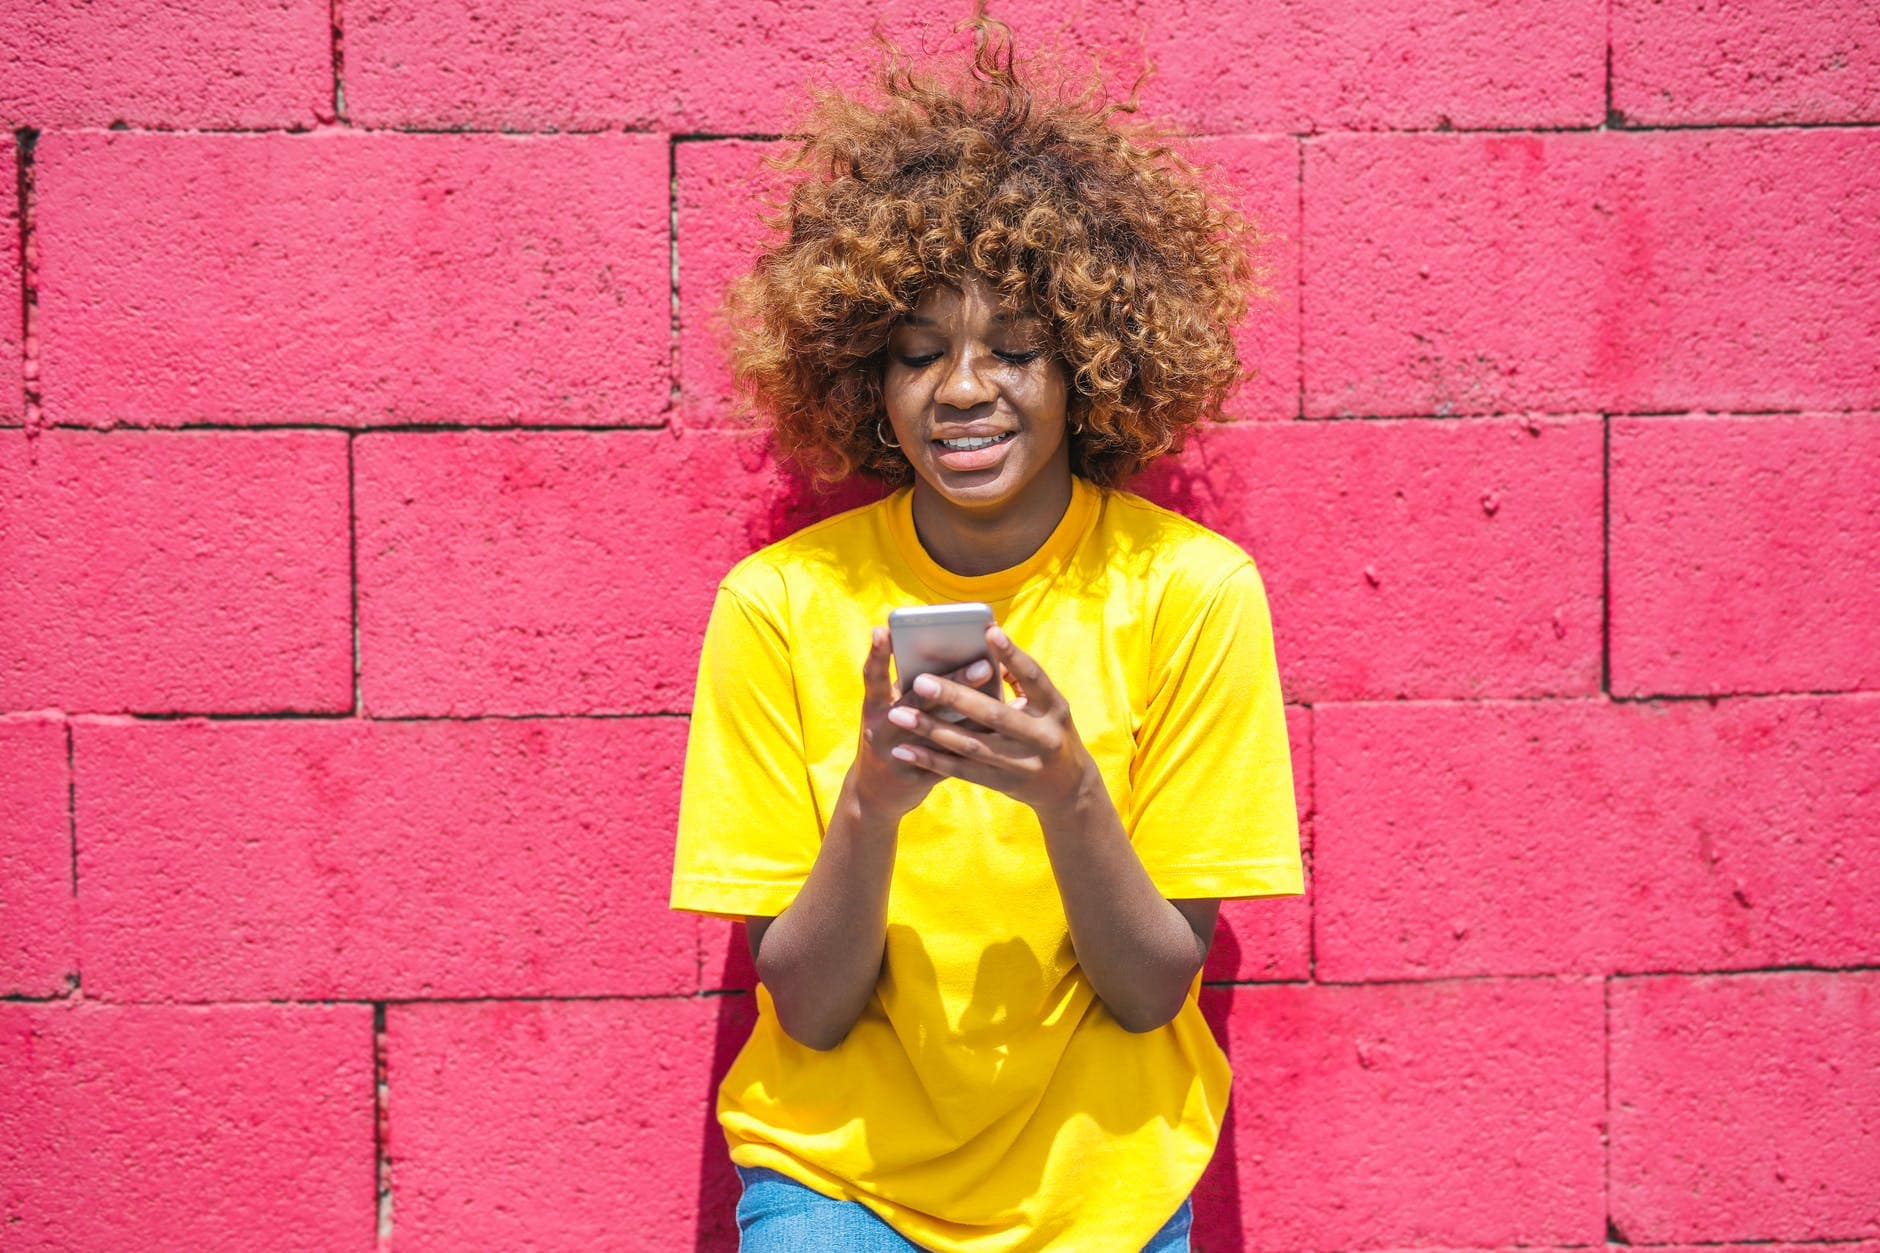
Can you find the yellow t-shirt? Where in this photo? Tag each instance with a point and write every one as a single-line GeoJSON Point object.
{"type": "Point", "coordinates": [986, 1101]}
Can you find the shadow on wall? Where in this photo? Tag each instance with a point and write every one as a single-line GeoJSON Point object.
{"type": "Point", "coordinates": [792, 499]}
{"type": "Point", "coordinates": [718, 1185]}
{"type": "Point", "coordinates": [1217, 1227]}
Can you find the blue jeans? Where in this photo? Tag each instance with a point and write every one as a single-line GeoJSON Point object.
{"type": "Point", "coordinates": [777, 1214]}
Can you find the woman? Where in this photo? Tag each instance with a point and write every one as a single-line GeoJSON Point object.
{"type": "Point", "coordinates": [979, 943]}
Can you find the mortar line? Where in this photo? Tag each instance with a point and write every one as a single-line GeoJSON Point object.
{"type": "Point", "coordinates": [1613, 1234]}
{"type": "Point", "coordinates": [1550, 698]}
{"type": "Point", "coordinates": [1605, 554]}
{"type": "Point", "coordinates": [1299, 284]}
{"type": "Point", "coordinates": [401, 428]}
{"type": "Point", "coordinates": [370, 999]}
{"type": "Point", "coordinates": [26, 204]}
{"type": "Point", "coordinates": [1613, 119]}
{"type": "Point", "coordinates": [347, 715]}
{"type": "Point", "coordinates": [672, 238]}
{"type": "Point", "coordinates": [1311, 824]}
{"type": "Point", "coordinates": [590, 428]}
{"type": "Point", "coordinates": [599, 998]}
{"type": "Point", "coordinates": [76, 980]}
{"type": "Point", "coordinates": [1648, 698]}
{"type": "Point", "coordinates": [1529, 976]}
{"type": "Point", "coordinates": [1590, 409]}
{"type": "Point", "coordinates": [336, 26]}
{"type": "Point", "coordinates": [381, 1140]}
{"type": "Point", "coordinates": [352, 571]}
{"type": "Point", "coordinates": [1437, 128]}
{"type": "Point", "coordinates": [1789, 968]}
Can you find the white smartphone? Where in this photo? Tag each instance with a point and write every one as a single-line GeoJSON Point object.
{"type": "Point", "coordinates": [939, 639]}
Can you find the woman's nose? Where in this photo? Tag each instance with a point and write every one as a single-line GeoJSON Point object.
{"type": "Point", "coordinates": [964, 385]}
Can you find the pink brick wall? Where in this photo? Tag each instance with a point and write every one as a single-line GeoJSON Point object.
{"type": "Point", "coordinates": [365, 477]}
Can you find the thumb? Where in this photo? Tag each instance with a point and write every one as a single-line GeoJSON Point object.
{"type": "Point", "coordinates": [875, 688]}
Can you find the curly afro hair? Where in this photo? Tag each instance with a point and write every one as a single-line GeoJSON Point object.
{"type": "Point", "coordinates": [1141, 268]}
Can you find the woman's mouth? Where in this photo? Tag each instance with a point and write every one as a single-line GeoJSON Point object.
{"type": "Point", "coordinates": [973, 452]}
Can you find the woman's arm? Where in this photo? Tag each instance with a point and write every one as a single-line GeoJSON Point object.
{"type": "Point", "coordinates": [1139, 950]}
{"type": "Point", "coordinates": [821, 957]}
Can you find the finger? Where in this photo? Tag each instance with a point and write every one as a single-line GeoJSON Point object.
{"type": "Point", "coordinates": [876, 693]}
{"type": "Point", "coordinates": [936, 762]}
{"type": "Point", "coordinates": [972, 675]}
{"type": "Point", "coordinates": [972, 672]}
{"type": "Point", "coordinates": [960, 739]}
{"type": "Point", "coordinates": [932, 692]}
{"type": "Point", "coordinates": [1028, 676]}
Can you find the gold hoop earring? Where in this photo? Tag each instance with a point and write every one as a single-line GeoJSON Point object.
{"type": "Point", "coordinates": [883, 439]}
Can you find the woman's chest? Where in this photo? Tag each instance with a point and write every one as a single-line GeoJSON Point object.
{"type": "Point", "coordinates": [1094, 651]}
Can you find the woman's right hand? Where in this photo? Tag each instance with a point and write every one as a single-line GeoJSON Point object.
{"type": "Point", "coordinates": [884, 785]}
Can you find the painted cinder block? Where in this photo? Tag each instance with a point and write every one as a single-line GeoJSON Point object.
{"type": "Point", "coordinates": [357, 279]}
{"type": "Point", "coordinates": [1746, 1107]}
{"type": "Point", "coordinates": [134, 1127]}
{"type": "Point", "coordinates": [744, 68]}
{"type": "Point", "coordinates": [723, 193]}
{"type": "Point", "coordinates": [148, 63]}
{"type": "Point", "coordinates": [190, 571]}
{"type": "Point", "coordinates": [1745, 554]}
{"type": "Point", "coordinates": [1465, 1113]}
{"type": "Point", "coordinates": [731, 68]}
{"type": "Point", "coordinates": [555, 572]}
{"type": "Point", "coordinates": [720, 229]}
{"type": "Point", "coordinates": [562, 1124]}
{"type": "Point", "coordinates": [1412, 559]}
{"type": "Point", "coordinates": [1312, 65]}
{"type": "Point", "coordinates": [12, 295]}
{"type": "Point", "coordinates": [359, 859]}
{"type": "Point", "coordinates": [1507, 838]}
{"type": "Point", "coordinates": [1704, 269]}
{"type": "Point", "coordinates": [38, 934]}
{"type": "Point", "coordinates": [1691, 61]}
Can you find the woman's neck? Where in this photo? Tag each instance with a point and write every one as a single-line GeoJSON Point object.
{"type": "Point", "coordinates": [981, 541]}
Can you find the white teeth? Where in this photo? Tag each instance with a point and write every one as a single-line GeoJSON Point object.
{"type": "Point", "coordinates": [967, 445]}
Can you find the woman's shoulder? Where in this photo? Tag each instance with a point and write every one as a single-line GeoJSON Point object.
{"type": "Point", "coordinates": [1173, 548]}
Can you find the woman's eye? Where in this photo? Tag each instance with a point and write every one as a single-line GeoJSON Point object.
{"type": "Point", "coordinates": [1016, 358]}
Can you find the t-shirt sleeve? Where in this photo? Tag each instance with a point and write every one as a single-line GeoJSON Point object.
{"type": "Point", "coordinates": [748, 828]}
{"type": "Point", "coordinates": [1211, 810]}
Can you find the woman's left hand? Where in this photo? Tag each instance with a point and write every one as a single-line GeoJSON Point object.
{"type": "Point", "coordinates": [1028, 749]}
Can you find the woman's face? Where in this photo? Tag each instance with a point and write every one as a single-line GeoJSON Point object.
{"type": "Point", "coordinates": [976, 397]}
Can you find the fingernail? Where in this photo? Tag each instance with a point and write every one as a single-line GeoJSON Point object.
{"type": "Point", "coordinates": [997, 636]}
{"type": "Point", "coordinates": [927, 685]}
{"type": "Point", "coordinates": [901, 752]}
{"type": "Point", "coordinates": [977, 671]}
{"type": "Point", "coordinates": [902, 716]}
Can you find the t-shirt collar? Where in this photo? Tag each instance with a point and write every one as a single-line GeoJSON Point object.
{"type": "Point", "coordinates": [999, 585]}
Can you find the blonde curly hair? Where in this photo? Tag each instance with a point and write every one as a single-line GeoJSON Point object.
{"type": "Point", "coordinates": [1140, 267]}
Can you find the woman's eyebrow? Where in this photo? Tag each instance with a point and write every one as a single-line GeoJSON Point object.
{"type": "Point", "coordinates": [915, 319]}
